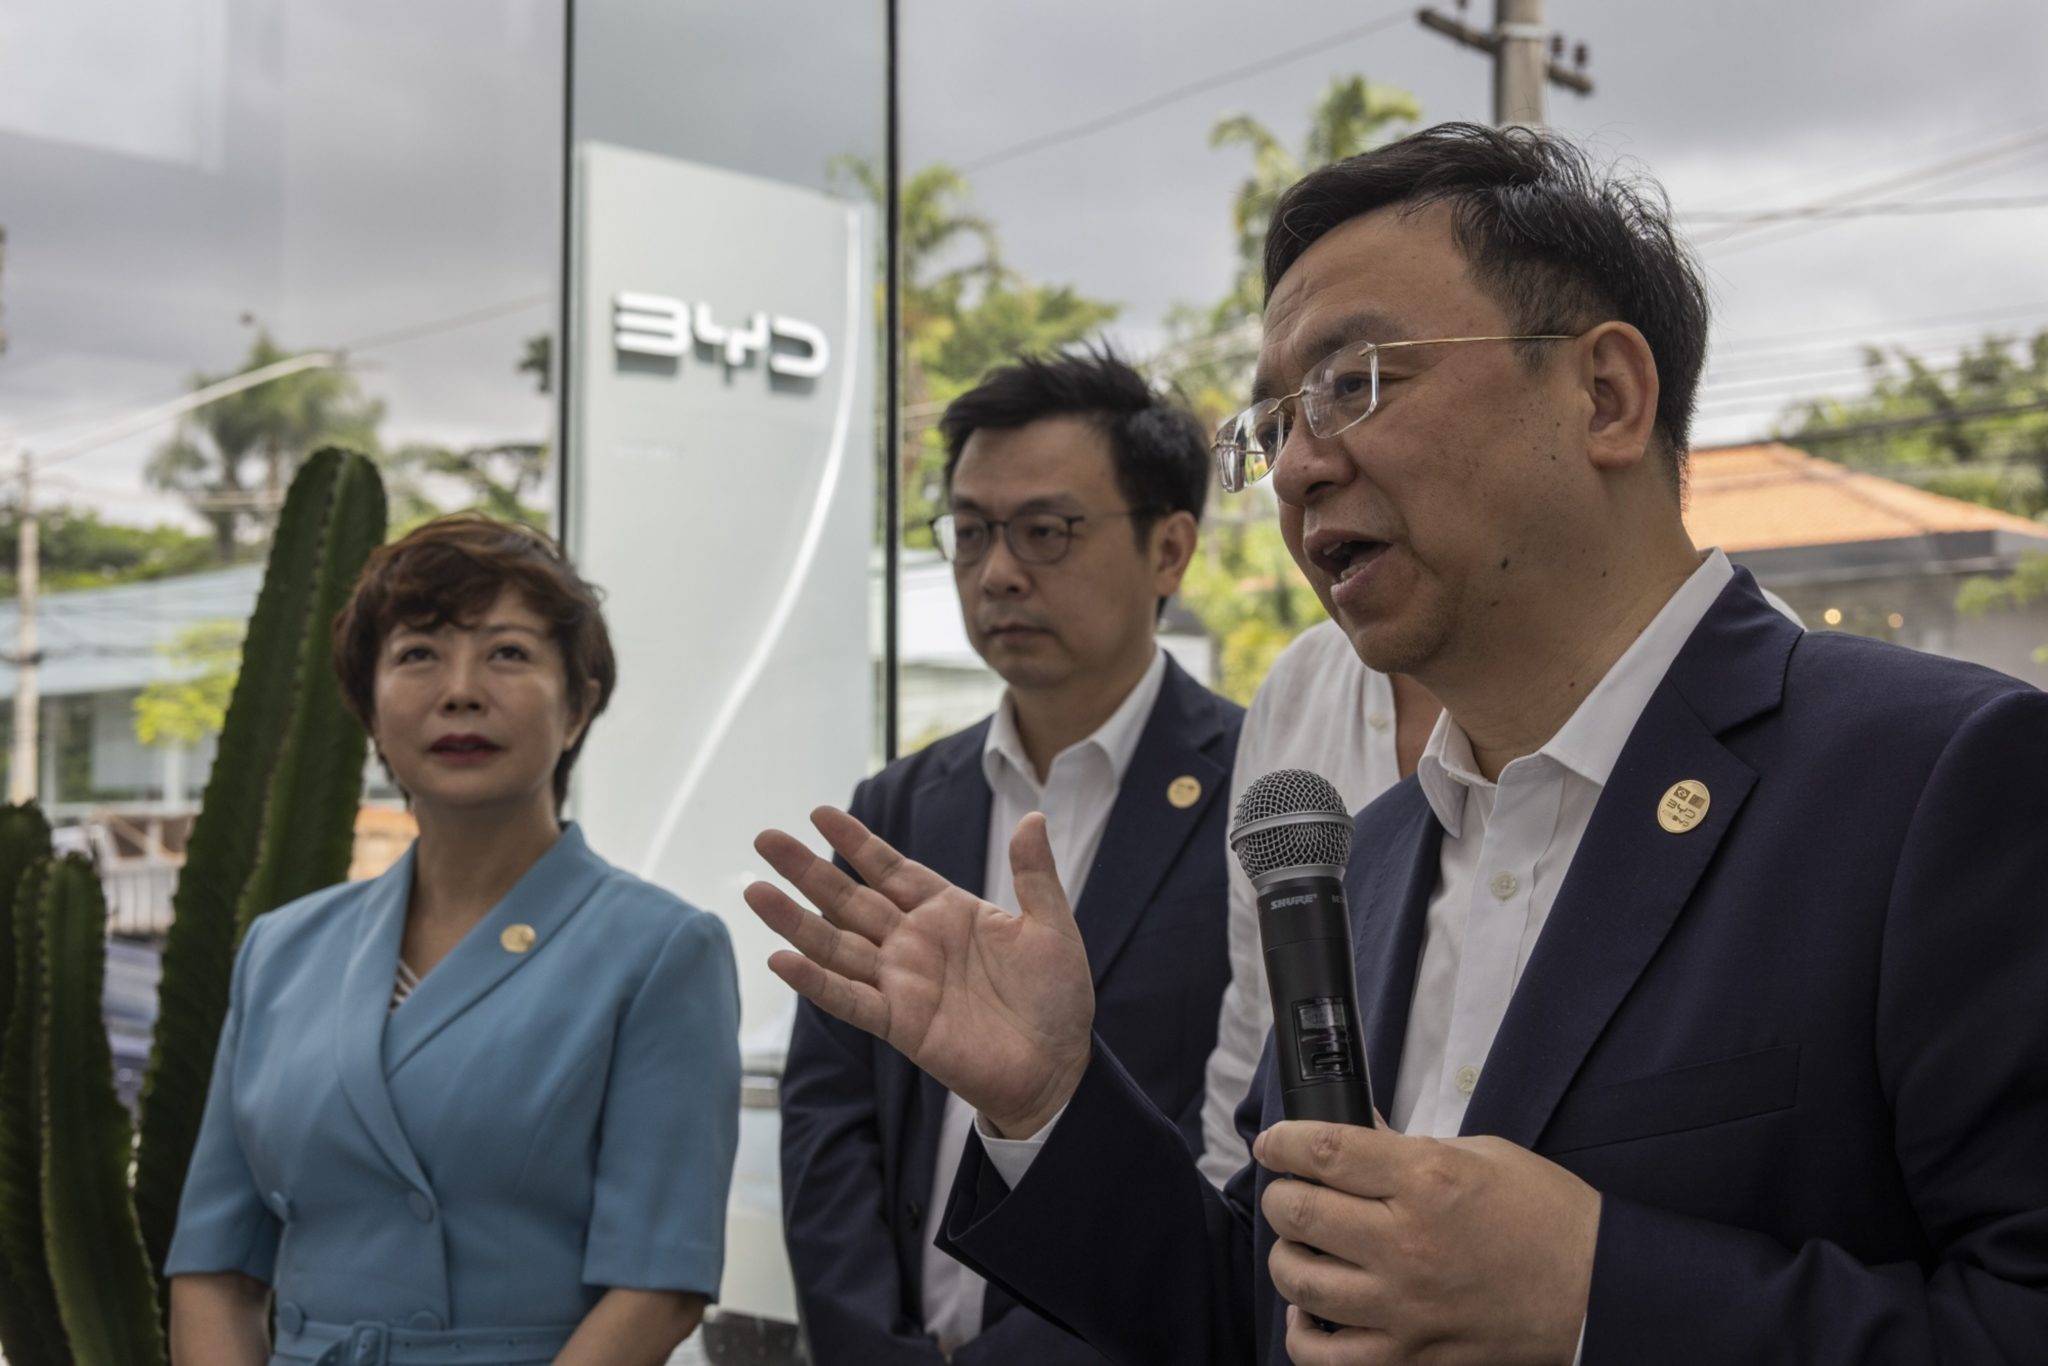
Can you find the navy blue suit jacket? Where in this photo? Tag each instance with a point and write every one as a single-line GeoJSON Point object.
{"type": "Point", "coordinates": [1801, 1049]}
{"type": "Point", "coordinates": [860, 1125]}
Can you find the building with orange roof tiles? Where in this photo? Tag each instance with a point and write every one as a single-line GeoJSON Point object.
{"type": "Point", "coordinates": [1853, 551]}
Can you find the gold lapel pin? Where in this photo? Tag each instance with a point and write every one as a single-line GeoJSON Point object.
{"type": "Point", "coordinates": [1184, 791]}
{"type": "Point", "coordinates": [517, 938]}
{"type": "Point", "coordinates": [1684, 806]}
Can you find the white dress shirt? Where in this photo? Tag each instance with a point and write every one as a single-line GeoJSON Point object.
{"type": "Point", "coordinates": [1319, 708]}
{"type": "Point", "coordinates": [1079, 790]}
{"type": "Point", "coordinates": [1507, 846]}
{"type": "Point", "coordinates": [1506, 849]}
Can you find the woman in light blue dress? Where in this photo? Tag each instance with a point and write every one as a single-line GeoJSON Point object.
{"type": "Point", "coordinates": [483, 1108]}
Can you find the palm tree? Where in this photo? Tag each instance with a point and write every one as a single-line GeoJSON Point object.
{"type": "Point", "coordinates": [1353, 116]}
{"type": "Point", "coordinates": [272, 427]}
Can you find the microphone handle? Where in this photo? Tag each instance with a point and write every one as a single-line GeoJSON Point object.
{"type": "Point", "coordinates": [1318, 1033]}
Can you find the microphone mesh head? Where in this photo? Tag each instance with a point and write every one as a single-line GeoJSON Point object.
{"type": "Point", "coordinates": [1288, 792]}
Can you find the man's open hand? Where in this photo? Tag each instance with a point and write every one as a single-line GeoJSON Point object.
{"type": "Point", "coordinates": [997, 1007]}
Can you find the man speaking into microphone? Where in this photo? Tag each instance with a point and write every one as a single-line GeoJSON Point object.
{"type": "Point", "coordinates": [1701, 963]}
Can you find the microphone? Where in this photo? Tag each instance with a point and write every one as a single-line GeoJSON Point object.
{"type": "Point", "coordinates": [1292, 834]}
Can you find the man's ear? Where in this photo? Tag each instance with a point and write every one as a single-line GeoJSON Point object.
{"type": "Point", "coordinates": [1619, 374]}
{"type": "Point", "coordinates": [1173, 546]}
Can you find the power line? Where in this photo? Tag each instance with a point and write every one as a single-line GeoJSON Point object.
{"type": "Point", "coordinates": [1895, 424]}
{"type": "Point", "coordinates": [1935, 170]}
{"type": "Point", "coordinates": [1181, 92]}
{"type": "Point", "coordinates": [1826, 211]}
{"type": "Point", "coordinates": [1777, 340]}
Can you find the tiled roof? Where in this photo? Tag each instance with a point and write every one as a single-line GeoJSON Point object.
{"type": "Point", "coordinates": [1772, 496]}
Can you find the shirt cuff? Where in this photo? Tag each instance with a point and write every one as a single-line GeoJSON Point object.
{"type": "Point", "coordinates": [1012, 1157]}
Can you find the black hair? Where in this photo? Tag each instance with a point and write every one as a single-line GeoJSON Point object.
{"type": "Point", "coordinates": [1559, 244]}
{"type": "Point", "coordinates": [1157, 448]}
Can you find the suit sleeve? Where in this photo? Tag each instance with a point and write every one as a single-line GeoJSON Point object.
{"type": "Point", "coordinates": [1114, 1233]}
{"type": "Point", "coordinates": [1961, 1035]}
{"type": "Point", "coordinates": [223, 1224]}
{"type": "Point", "coordinates": [671, 1121]}
{"type": "Point", "coordinates": [838, 1232]}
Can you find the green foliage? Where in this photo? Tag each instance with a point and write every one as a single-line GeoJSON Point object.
{"type": "Point", "coordinates": [1243, 585]}
{"type": "Point", "coordinates": [105, 1290]}
{"type": "Point", "coordinates": [278, 817]}
{"type": "Point", "coordinates": [963, 313]}
{"type": "Point", "coordinates": [187, 710]}
{"type": "Point", "coordinates": [497, 479]}
{"type": "Point", "coordinates": [2027, 583]}
{"type": "Point", "coordinates": [2000, 462]}
{"type": "Point", "coordinates": [78, 550]}
{"type": "Point", "coordinates": [1247, 591]}
{"type": "Point", "coordinates": [232, 459]}
{"type": "Point", "coordinates": [31, 1326]}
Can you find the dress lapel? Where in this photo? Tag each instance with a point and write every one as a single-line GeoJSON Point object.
{"type": "Point", "coordinates": [361, 1015]}
{"type": "Point", "coordinates": [1146, 831]}
{"type": "Point", "coordinates": [1631, 878]}
{"type": "Point", "coordinates": [543, 900]}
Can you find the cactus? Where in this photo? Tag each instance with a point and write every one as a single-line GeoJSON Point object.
{"type": "Point", "coordinates": [106, 1293]}
{"type": "Point", "coordinates": [31, 1330]}
{"type": "Point", "coordinates": [80, 1257]}
{"type": "Point", "coordinates": [278, 817]}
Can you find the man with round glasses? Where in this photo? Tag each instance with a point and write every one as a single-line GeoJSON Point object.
{"type": "Point", "coordinates": [1073, 498]}
{"type": "Point", "coordinates": [1702, 959]}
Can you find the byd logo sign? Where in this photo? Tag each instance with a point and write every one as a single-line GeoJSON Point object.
{"type": "Point", "coordinates": [656, 325]}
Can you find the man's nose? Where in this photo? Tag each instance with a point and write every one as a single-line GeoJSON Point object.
{"type": "Point", "coordinates": [1001, 573]}
{"type": "Point", "coordinates": [1308, 464]}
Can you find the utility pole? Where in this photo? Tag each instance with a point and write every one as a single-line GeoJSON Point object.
{"type": "Point", "coordinates": [24, 770]}
{"type": "Point", "coordinates": [25, 767]}
{"type": "Point", "coordinates": [1521, 67]}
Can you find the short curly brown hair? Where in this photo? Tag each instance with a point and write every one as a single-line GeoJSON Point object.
{"type": "Point", "coordinates": [452, 569]}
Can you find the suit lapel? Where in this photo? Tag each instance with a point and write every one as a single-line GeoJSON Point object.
{"type": "Point", "coordinates": [1389, 895]}
{"type": "Point", "coordinates": [1631, 878]}
{"type": "Point", "coordinates": [544, 899]}
{"type": "Point", "coordinates": [949, 834]}
{"type": "Point", "coordinates": [366, 988]}
{"type": "Point", "coordinates": [1146, 832]}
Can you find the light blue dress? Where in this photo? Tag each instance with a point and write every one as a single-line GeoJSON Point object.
{"type": "Point", "coordinates": [461, 1179]}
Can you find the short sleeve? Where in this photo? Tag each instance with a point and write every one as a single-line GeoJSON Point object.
{"type": "Point", "coordinates": [671, 1122]}
{"type": "Point", "coordinates": [223, 1224]}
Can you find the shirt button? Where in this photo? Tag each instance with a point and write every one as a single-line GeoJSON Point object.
{"type": "Point", "coordinates": [426, 1321]}
{"type": "Point", "coordinates": [422, 1208]}
{"type": "Point", "coordinates": [1468, 1077]}
{"type": "Point", "coordinates": [280, 1206]}
{"type": "Point", "coordinates": [1504, 885]}
{"type": "Point", "coordinates": [290, 1317]}
{"type": "Point", "coordinates": [1378, 720]}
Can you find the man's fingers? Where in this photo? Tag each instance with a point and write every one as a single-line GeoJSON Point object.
{"type": "Point", "coordinates": [832, 949]}
{"type": "Point", "coordinates": [1308, 1345]}
{"type": "Point", "coordinates": [904, 881]}
{"type": "Point", "coordinates": [1328, 1287]}
{"type": "Point", "coordinates": [1346, 1157]}
{"type": "Point", "coordinates": [858, 1004]}
{"type": "Point", "coordinates": [1039, 894]}
{"type": "Point", "coordinates": [843, 901]}
{"type": "Point", "coordinates": [1347, 1226]}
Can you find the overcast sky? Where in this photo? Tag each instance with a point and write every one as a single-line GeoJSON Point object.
{"type": "Point", "coordinates": [348, 170]}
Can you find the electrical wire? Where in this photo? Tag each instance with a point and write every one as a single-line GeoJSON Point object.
{"type": "Point", "coordinates": [1181, 92]}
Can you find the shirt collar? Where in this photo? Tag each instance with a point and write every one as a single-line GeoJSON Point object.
{"type": "Point", "coordinates": [1115, 739]}
{"type": "Point", "coordinates": [1591, 740]}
